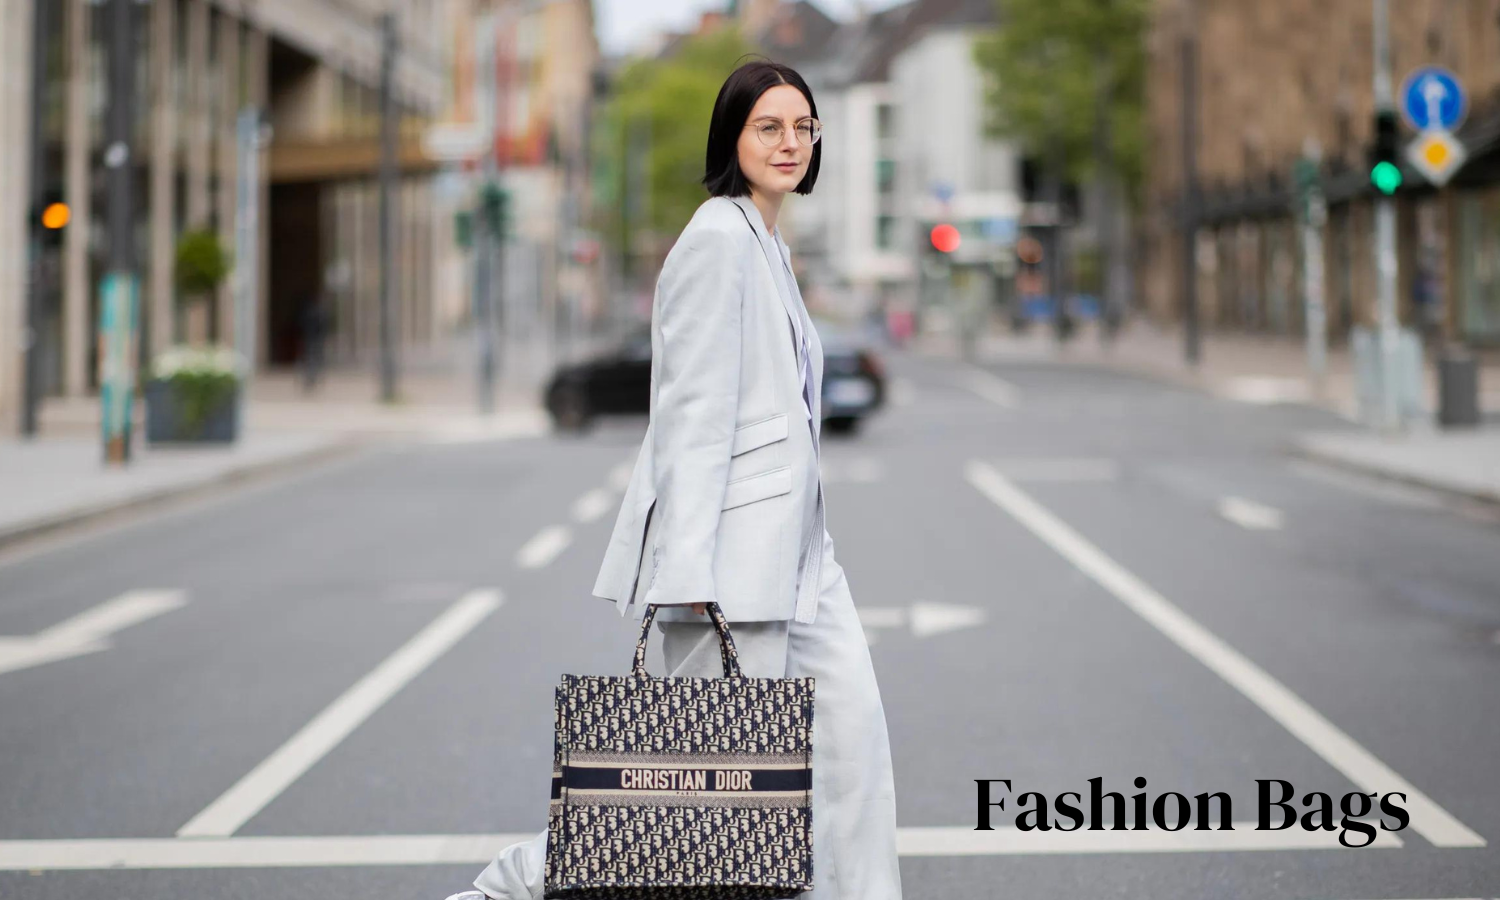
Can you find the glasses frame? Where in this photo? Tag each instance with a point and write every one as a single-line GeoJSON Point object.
{"type": "Point", "coordinates": [817, 130]}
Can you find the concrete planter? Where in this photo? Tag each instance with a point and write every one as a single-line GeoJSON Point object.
{"type": "Point", "coordinates": [167, 417]}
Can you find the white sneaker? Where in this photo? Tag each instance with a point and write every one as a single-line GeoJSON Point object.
{"type": "Point", "coordinates": [469, 895]}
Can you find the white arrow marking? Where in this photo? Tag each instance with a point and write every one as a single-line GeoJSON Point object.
{"type": "Point", "coordinates": [1249, 514]}
{"type": "Point", "coordinates": [87, 632]}
{"type": "Point", "coordinates": [1433, 92]}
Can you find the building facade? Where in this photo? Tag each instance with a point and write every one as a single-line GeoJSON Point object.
{"type": "Point", "coordinates": [1277, 77]}
{"type": "Point", "coordinates": [906, 149]}
{"type": "Point", "coordinates": [313, 68]}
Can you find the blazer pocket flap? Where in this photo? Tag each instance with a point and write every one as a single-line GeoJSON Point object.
{"type": "Point", "coordinates": [758, 434]}
{"type": "Point", "coordinates": [758, 487]}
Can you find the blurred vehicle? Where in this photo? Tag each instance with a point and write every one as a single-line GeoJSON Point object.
{"type": "Point", "coordinates": [618, 381]}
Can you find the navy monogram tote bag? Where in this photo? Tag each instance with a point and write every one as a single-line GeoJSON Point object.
{"type": "Point", "coordinates": [681, 788]}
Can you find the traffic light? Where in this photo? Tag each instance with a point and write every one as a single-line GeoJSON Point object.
{"type": "Point", "coordinates": [1385, 171]}
{"type": "Point", "coordinates": [945, 238]}
{"type": "Point", "coordinates": [52, 217]}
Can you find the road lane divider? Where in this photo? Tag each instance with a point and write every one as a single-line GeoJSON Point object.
{"type": "Point", "coordinates": [544, 546]}
{"type": "Point", "coordinates": [327, 730]}
{"type": "Point", "coordinates": [1338, 749]}
{"type": "Point", "coordinates": [991, 387]}
{"type": "Point", "coordinates": [1250, 515]}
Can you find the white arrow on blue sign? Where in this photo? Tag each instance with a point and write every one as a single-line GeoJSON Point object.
{"type": "Point", "coordinates": [1432, 98]}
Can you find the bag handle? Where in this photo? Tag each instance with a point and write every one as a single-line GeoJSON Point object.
{"type": "Point", "coordinates": [721, 625]}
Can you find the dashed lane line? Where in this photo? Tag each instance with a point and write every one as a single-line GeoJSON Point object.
{"type": "Point", "coordinates": [544, 546]}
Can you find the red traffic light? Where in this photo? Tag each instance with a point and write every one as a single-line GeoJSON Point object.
{"type": "Point", "coordinates": [945, 238]}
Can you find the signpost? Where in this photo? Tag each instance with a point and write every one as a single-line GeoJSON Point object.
{"type": "Point", "coordinates": [1434, 103]}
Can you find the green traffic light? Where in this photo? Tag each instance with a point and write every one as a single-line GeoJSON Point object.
{"type": "Point", "coordinates": [1386, 176]}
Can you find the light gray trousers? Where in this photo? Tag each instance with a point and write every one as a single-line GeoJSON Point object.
{"type": "Point", "coordinates": [854, 799]}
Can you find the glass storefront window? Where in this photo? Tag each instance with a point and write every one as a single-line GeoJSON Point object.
{"type": "Point", "coordinates": [1479, 266]}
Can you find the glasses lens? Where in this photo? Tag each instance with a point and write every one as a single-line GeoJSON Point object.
{"type": "Point", "coordinates": [809, 131]}
{"type": "Point", "coordinates": [770, 133]}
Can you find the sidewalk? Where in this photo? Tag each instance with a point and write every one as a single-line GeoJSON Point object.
{"type": "Point", "coordinates": [1266, 370]}
{"type": "Point", "coordinates": [59, 478]}
{"type": "Point", "coordinates": [52, 482]}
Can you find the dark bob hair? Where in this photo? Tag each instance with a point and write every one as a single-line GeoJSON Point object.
{"type": "Point", "coordinates": [722, 175]}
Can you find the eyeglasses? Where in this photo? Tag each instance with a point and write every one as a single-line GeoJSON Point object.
{"type": "Point", "coordinates": [771, 131]}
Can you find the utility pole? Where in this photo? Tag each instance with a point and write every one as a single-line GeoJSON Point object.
{"type": "Point", "coordinates": [1192, 346]}
{"type": "Point", "coordinates": [119, 298]}
{"type": "Point", "coordinates": [1385, 230]}
{"type": "Point", "coordinates": [30, 340]}
{"type": "Point", "coordinates": [386, 224]}
{"type": "Point", "coordinates": [247, 131]}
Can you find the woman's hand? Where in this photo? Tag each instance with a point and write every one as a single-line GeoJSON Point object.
{"type": "Point", "coordinates": [700, 608]}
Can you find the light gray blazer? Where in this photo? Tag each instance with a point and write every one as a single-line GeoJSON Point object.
{"type": "Point", "coordinates": [710, 513]}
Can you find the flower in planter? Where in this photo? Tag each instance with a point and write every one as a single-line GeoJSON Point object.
{"type": "Point", "coordinates": [202, 379]}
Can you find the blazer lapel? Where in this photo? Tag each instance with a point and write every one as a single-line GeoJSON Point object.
{"type": "Point", "coordinates": [771, 254]}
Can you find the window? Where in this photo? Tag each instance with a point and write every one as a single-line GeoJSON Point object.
{"type": "Point", "coordinates": [885, 120]}
{"type": "Point", "coordinates": [885, 175]}
{"type": "Point", "coordinates": [885, 232]}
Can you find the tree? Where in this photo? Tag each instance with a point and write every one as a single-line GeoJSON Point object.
{"type": "Point", "coordinates": [1057, 70]}
{"type": "Point", "coordinates": [1066, 78]}
{"type": "Point", "coordinates": [652, 135]}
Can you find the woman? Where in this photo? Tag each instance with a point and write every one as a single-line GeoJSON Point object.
{"type": "Point", "coordinates": [726, 501]}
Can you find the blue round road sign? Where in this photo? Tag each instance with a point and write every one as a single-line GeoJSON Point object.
{"type": "Point", "coordinates": [1432, 98]}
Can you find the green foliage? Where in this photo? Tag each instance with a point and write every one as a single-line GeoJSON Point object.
{"type": "Point", "coordinates": [661, 107]}
{"type": "Point", "coordinates": [201, 379]}
{"type": "Point", "coordinates": [202, 263]}
{"type": "Point", "coordinates": [1047, 66]}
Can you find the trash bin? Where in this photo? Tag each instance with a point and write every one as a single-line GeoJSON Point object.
{"type": "Point", "coordinates": [1458, 388]}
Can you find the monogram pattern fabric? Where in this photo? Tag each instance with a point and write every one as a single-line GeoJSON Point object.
{"type": "Point", "coordinates": [682, 788]}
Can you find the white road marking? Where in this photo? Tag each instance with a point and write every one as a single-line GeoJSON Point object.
{"type": "Point", "coordinates": [291, 760]}
{"type": "Point", "coordinates": [592, 505]}
{"type": "Point", "coordinates": [619, 476]}
{"type": "Point", "coordinates": [87, 632]}
{"type": "Point", "coordinates": [863, 470]}
{"type": "Point", "coordinates": [928, 619]}
{"type": "Point", "coordinates": [1080, 469]}
{"type": "Point", "coordinates": [992, 388]}
{"type": "Point", "coordinates": [1294, 714]}
{"type": "Point", "coordinates": [544, 546]}
{"type": "Point", "coordinates": [1262, 390]}
{"type": "Point", "coordinates": [1249, 514]}
{"type": "Point", "coordinates": [478, 849]}
{"type": "Point", "coordinates": [1009, 840]}
{"type": "Point", "coordinates": [925, 619]}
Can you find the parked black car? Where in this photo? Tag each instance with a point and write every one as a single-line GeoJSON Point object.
{"type": "Point", "coordinates": [619, 381]}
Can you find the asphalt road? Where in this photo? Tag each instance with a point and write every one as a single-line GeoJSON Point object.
{"type": "Point", "coordinates": [339, 684]}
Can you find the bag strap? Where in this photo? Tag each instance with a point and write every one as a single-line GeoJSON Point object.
{"type": "Point", "coordinates": [730, 656]}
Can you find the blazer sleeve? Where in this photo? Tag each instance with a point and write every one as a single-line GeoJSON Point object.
{"type": "Point", "coordinates": [700, 305]}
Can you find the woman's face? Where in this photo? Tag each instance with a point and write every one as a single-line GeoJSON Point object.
{"type": "Point", "coordinates": [778, 169]}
